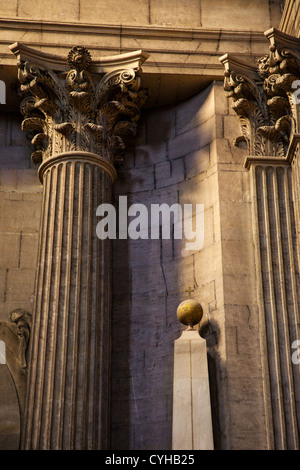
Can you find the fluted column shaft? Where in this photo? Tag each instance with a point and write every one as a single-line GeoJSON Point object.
{"type": "Point", "coordinates": [68, 383]}
{"type": "Point", "coordinates": [278, 294]}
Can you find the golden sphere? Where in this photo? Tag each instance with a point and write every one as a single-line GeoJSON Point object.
{"type": "Point", "coordinates": [189, 312]}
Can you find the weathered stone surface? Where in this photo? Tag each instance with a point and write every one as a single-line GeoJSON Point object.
{"type": "Point", "coordinates": [29, 247]}
{"type": "Point", "coordinates": [152, 12]}
{"type": "Point", "coordinates": [184, 153]}
{"type": "Point", "coordinates": [78, 124]}
{"type": "Point", "coordinates": [9, 249]}
{"type": "Point", "coordinates": [9, 412]}
{"type": "Point", "coordinates": [192, 426]}
{"type": "Point", "coordinates": [164, 273]}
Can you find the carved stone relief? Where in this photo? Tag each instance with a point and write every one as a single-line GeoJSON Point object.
{"type": "Point", "coordinates": [77, 110]}
{"type": "Point", "coordinates": [15, 334]}
{"type": "Point", "coordinates": [262, 95]}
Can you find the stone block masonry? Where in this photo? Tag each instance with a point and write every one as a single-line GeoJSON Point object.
{"type": "Point", "coordinates": [192, 164]}
{"type": "Point", "coordinates": [184, 152]}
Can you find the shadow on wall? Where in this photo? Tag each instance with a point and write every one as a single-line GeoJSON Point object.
{"type": "Point", "coordinates": [120, 385]}
{"type": "Point", "coordinates": [169, 162]}
{"type": "Point", "coordinates": [9, 411]}
{"type": "Point", "coordinates": [210, 332]}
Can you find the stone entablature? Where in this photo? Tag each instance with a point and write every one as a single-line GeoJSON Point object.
{"type": "Point", "coordinates": [182, 59]}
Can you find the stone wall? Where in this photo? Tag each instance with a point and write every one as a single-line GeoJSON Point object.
{"type": "Point", "coordinates": [191, 13]}
{"type": "Point", "coordinates": [9, 411]}
{"type": "Point", "coordinates": [185, 154]}
{"type": "Point", "coordinates": [183, 39]}
{"type": "Point", "coordinates": [20, 200]}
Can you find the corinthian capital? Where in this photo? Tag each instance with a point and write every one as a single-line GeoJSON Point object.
{"type": "Point", "coordinates": [262, 92]}
{"type": "Point", "coordinates": [264, 119]}
{"type": "Point", "coordinates": [75, 104]}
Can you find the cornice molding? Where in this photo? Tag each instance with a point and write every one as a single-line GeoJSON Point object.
{"type": "Point", "coordinates": [182, 61]}
{"type": "Point", "coordinates": [170, 49]}
{"type": "Point", "coordinates": [127, 30]}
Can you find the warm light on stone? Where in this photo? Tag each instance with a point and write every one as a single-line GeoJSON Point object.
{"type": "Point", "coordinates": [79, 123]}
{"type": "Point", "coordinates": [94, 367]}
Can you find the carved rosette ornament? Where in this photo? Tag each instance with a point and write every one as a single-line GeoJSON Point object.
{"type": "Point", "coordinates": [76, 110]}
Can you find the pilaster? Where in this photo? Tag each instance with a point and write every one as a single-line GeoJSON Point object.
{"type": "Point", "coordinates": [263, 94]}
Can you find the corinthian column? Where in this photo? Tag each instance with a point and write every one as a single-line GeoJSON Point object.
{"type": "Point", "coordinates": [77, 114]}
{"type": "Point", "coordinates": [262, 95]}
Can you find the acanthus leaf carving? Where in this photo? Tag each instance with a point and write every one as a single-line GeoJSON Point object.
{"type": "Point", "coordinates": [77, 110]}
{"type": "Point", "coordinates": [262, 95]}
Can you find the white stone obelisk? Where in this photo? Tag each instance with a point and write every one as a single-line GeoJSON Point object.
{"type": "Point", "coordinates": [192, 423]}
